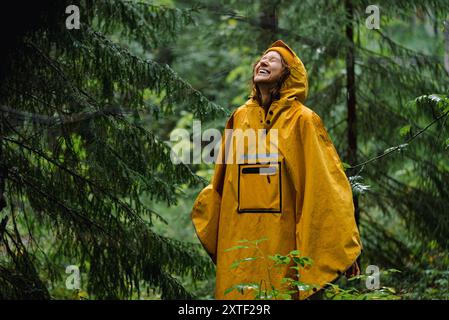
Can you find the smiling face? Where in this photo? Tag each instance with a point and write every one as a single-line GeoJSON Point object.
{"type": "Point", "coordinates": [269, 68]}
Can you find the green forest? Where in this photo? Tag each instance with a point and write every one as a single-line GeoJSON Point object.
{"type": "Point", "coordinates": [92, 205]}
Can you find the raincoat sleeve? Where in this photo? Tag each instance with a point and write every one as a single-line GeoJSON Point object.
{"type": "Point", "coordinates": [206, 209]}
{"type": "Point", "coordinates": [326, 229]}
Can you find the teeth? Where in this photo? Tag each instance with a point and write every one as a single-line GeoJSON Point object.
{"type": "Point", "coordinates": [263, 71]}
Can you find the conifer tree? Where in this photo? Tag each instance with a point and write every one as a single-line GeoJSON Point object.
{"type": "Point", "coordinates": [78, 152]}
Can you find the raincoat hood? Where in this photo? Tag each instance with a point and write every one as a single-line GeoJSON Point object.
{"type": "Point", "coordinates": [297, 197]}
{"type": "Point", "coordinates": [296, 85]}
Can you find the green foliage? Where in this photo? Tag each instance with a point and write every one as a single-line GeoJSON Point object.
{"type": "Point", "coordinates": [290, 286]}
{"type": "Point", "coordinates": [79, 153]}
{"type": "Point", "coordinates": [384, 293]}
{"type": "Point", "coordinates": [353, 292]}
{"type": "Point", "coordinates": [427, 279]}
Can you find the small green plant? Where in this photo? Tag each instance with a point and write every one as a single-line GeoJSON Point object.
{"type": "Point", "coordinates": [263, 291]}
{"type": "Point", "coordinates": [334, 291]}
{"type": "Point", "coordinates": [341, 289]}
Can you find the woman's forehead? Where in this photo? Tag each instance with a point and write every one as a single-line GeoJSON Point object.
{"type": "Point", "coordinates": [270, 54]}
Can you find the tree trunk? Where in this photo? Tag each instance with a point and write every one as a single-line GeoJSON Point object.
{"type": "Point", "coordinates": [4, 220]}
{"type": "Point", "coordinates": [446, 45]}
{"type": "Point", "coordinates": [268, 23]}
{"type": "Point", "coordinates": [351, 155]}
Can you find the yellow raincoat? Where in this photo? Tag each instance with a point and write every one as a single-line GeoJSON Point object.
{"type": "Point", "coordinates": [303, 201]}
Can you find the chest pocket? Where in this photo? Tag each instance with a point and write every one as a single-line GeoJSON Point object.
{"type": "Point", "coordinates": [260, 188]}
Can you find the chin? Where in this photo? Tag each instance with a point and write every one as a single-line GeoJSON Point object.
{"type": "Point", "coordinates": [262, 80]}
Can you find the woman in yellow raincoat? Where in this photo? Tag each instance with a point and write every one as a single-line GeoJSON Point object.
{"type": "Point", "coordinates": [297, 196]}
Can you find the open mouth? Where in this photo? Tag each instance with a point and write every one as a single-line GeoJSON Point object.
{"type": "Point", "coordinates": [263, 71]}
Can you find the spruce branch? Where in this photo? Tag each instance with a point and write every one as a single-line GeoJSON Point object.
{"type": "Point", "coordinates": [163, 77]}
{"type": "Point", "coordinates": [61, 119]}
{"type": "Point", "coordinates": [403, 145]}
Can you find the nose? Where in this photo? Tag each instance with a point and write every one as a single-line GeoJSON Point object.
{"type": "Point", "coordinates": [263, 62]}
